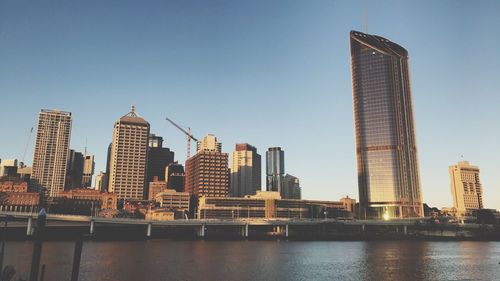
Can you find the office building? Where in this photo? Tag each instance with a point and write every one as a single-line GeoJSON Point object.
{"type": "Point", "coordinates": [291, 188]}
{"type": "Point", "coordinates": [101, 181]}
{"type": "Point", "coordinates": [88, 170]}
{"type": "Point", "coordinates": [156, 187]}
{"type": "Point", "coordinates": [74, 172]}
{"type": "Point", "coordinates": [50, 159]}
{"type": "Point", "coordinates": [128, 161]}
{"type": "Point", "coordinates": [158, 158]}
{"type": "Point", "coordinates": [245, 171]}
{"type": "Point", "coordinates": [207, 172]}
{"type": "Point", "coordinates": [388, 173]}
{"type": "Point", "coordinates": [275, 169]}
{"type": "Point", "coordinates": [175, 177]}
{"type": "Point", "coordinates": [173, 200]}
{"type": "Point", "coordinates": [466, 188]}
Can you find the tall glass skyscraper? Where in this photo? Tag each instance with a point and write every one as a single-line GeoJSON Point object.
{"type": "Point", "coordinates": [388, 176]}
{"type": "Point", "coordinates": [275, 169]}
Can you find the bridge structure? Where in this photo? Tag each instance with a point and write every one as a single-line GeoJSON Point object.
{"type": "Point", "coordinates": [245, 228]}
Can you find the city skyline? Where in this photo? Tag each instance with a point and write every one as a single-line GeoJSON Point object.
{"type": "Point", "coordinates": [316, 121]}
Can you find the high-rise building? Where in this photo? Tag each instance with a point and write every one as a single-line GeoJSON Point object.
{"type": "Point", "coordinates": [88, 170]}
{"type": "Point", "coordinates": [388, 174]}
{"type": "Point", "coordinates": [291, 188]}
{"type": "Point", "coordinates": [74, 173]}
{"type": "Point", "coordinates": [275, 169]}
{"type": "Point", "coordinates": [207, 172]}
{"type": "Point", "coordinates": [245, 171]}
{"type": "Point", "coordinates": [175, 176]}
{"type": "Point", "coordinates": [158, 158]}
{"type": "Point", "coordinates": [51, 151]}
{"type": "Point", "coordinates": [466, 188]}
{"type": "Point", "coordinates": [128, 159]}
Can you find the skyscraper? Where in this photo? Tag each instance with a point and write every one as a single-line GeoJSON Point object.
{"type": "Point", "coordinates": [207, 172]}
{"type": "Point", "coordinates": [388, 175]}
{"type": "Point", "coordinates": [128, 161]}
{"type": "Point", "coordinates": [245, 171]}
{"type": "Point", "coordinates": [466, 188]}
{"type": "Point", "coordinates": [275, 169]}
{"type": "Point", "coordinates": [51, 151]}
{"type": "Point", "coordinates": [88, 170]}
{"type": "Point", "coordinates": [158, 158]}
{"type": "Point", "coordinates": [74, 171]}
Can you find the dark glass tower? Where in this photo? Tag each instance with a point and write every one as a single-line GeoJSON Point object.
{"type": "Point", "coordinates": [388, 176]}
{"type": "Point", "coordinates": [275, 169]}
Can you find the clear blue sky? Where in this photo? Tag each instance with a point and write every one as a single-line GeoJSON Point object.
{"type": "Point", "coordinates": [270, 73]}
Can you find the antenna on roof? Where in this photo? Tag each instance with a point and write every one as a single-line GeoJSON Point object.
{"type": "Point", "coordinates": [85, 146]}
{"type": "Point", "coordinates": [132, 109]}
{"type": "Point", "coordinates": [365, 19]}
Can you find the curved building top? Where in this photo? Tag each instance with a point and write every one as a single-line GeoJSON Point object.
{"type": "Point", "coordinates": [380, 43]}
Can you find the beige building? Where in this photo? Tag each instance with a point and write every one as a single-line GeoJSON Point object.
{"type": "Point", "coordinates": [160, 215]}
{"type": "Point", "coordinates": [466, 188]}
{"type": "Point", "coordinates": [128, 157]}
{"type": "Point", "coordinates": [173, 200]}
{"type": "Point", "coordinates": [51, 151]}
{"type": "Point", "coordinates": [156, 187]}
{"type": "Point", "coordinates": [245, 171]}
{"type": "Point", "coordinates": [209, 143]}
{"type": "Point", "coordinates": [207, 172]}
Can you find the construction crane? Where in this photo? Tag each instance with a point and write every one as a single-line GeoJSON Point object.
{"type": "Point", "coordinates": [188, 134]}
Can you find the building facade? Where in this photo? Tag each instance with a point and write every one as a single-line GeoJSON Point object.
{"type": "Point", "coordinates": [466, 188]}
{"type": "Point", "coordinates": [275, 169]}
{"type": "Point", "coordinates": [156, 187]}
{"type": "Point", "coordinates": [388, 173]}
{"type": "Point", "coordinates": [245, 171]}
{"type": "Point", "coordinates": [207, 172]}
{"type": "Point", "coordinates": [128, 159]}
{"type": "Point", "coordinates": [8, 167]}
{"type": "Point", "coordinates": [50, 159]}
{"type": "Point", "coordinates": [173, 200]}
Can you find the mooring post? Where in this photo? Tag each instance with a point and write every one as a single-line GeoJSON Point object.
{"type": "Point", "coordinates": [405, 230]}
{"type": "Point", "coordinates": [148, 231]}
{"type": "Point", "coordinates": [246, 230]}
{"type": "Point", "coordinates": [29, 227]}
{"type": "Point", "coordinates": [76, 259]}
{"type": "Point", "coordinates": [202, 231]}
{"type": "Point", "coordinates": [37, 248]}
{"type": "Point", "coordinates": [286, 230]}
{"type": "Point", "coordinates": [363, 228]}
{"type": "Point", "coordinates": [92, 227]}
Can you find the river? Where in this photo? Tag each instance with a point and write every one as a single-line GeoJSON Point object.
{"type": "Point", "coordinates": [264, 260]}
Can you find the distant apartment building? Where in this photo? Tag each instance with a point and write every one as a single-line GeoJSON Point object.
{"type": "Point", "coordinates": [175, 177]}
{"type": "Point", "coordinates": [128, 157]}
{"type": "Point", "coordinates": [207, 172]}
{"type": "Point", "coordinates": [88, 170]}
{"type": "Point", "coordinates": [74, 172]}
{"type": "Point", "coordinates": [275, 169]}
{"type": "Point", "coordinates": [50, 159]}
{"type": "Point", "coordinates": [159, 158]}
{"type": "Point", "coordinates": [466, 188]}
{"type": "Point", "coordinates": [245, 171]}
{"type": "Point", "coordinates": [291, 188]}
{"type": "Point", "coordinates": [8, 167]}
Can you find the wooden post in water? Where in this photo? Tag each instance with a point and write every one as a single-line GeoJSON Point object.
{"type": "Point", "coordinates": [76, 259]}
{"type": "Point", "coordinates": [37, 248]}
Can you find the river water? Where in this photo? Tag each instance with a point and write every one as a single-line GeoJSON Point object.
{"type": "Point", "coordinates": [264, 260]}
